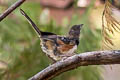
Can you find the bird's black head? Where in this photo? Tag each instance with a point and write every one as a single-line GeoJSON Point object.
{"type": "Point", "coordinates": [75, 31]}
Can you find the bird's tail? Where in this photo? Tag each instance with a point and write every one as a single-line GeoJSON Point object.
{"type": "Point", "coordinates": [31, 22]}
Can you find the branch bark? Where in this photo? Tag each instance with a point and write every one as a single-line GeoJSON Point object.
{"type": "Point", "coordinates": [83, 59]}
{"type": "Point", "coordinates": [10, 9]}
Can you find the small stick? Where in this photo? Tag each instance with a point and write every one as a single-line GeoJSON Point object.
{"type": "Point", "coordinates": [10, 9]}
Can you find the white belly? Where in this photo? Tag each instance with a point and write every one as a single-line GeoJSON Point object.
{"type": "Point", "coordinates": [71, 51]}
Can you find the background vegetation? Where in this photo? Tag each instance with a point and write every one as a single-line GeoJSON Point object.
{"type": "Point", "coordinates": [20, 52]}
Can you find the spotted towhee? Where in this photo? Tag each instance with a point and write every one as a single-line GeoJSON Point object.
{"type": "Point", "coordinates": [55, 46]}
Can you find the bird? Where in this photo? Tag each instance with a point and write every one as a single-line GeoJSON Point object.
{"type": "Point", "coordinates": [57, 47]}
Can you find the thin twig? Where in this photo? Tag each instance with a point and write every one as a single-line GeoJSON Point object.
{"type": "Point", "coordinates": [83, 59]}
{"type": "Point", "coordinates": [10, 9]}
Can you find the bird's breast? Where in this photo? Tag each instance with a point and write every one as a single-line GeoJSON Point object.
{"type": "Point", "coordinates": [67, 49]}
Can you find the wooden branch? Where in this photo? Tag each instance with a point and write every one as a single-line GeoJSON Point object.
{"type": "Point", "coordinates": [83, 59]}
{"type": "Point", "coordinates": [10, 9]}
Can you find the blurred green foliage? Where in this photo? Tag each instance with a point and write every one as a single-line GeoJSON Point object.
{"type": "Point", "coordinates": [20, 47]}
